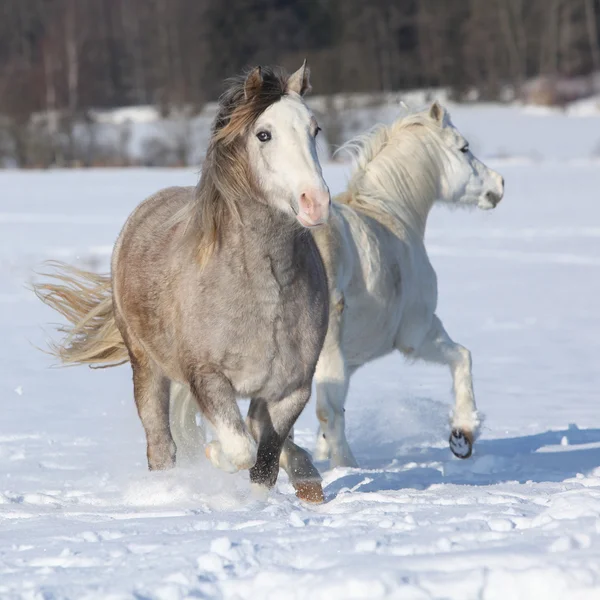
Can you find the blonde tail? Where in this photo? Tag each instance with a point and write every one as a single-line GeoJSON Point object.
{"type": "Point", "coordinates": [92, 338]}
{"type": "Point", "coordinates": [85, 300]}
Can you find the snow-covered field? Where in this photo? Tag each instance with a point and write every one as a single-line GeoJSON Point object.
{"type": "Point", "coordinates": [80, 517]}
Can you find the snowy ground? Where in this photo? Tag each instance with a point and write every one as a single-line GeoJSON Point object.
{"type": "Point", "coordinates": [80, 517]}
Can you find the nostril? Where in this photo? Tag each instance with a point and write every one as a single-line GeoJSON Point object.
{"type": "Point", "coordinates": [493, 197]}
{"type": "Point", "coordinates": [307, 202]}
{"type": "Point", "coordinates": [502, 181]}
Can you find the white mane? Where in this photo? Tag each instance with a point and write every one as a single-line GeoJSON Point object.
{"type": "Point", "coordinates": [396, 172]}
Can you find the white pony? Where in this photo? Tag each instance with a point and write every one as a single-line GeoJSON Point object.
{"type": "Point", "coordinates": [383, 288]}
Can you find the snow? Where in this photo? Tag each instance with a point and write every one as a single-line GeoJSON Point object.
{"type": "Point", "coordinates": [530, 134]}
{"type": "Point", "coordinates": [585, 107]}
{"type": "Point", "coordinates": [80, 516]}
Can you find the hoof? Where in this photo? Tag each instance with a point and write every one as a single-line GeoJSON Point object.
{"type": "Point", "coordinates": [310, 491]}
{"type": "Point", "coordinates": [208, 452]}
{"type": "Point", "coordinates": [237, 454]}
{"type": "Point", "coordinates": [161, 458]}
{"type": "Point", "coordinates": [215, 455]}
{"type": "Point", "coordinates": [461, 443]}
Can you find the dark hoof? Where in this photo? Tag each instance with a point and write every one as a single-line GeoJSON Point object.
{"type": "Point", "coordinates": [310, 491]}
{"type": "Point", "coordinates": [461, 443]}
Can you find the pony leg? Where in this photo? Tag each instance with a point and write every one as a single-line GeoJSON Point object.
{"type": "Point", "coordinates": [235, 448]}
{"type": "Point", "coordinates": [270, 423]}
{"type": "Point", "coordinates": [332, 380]}
{"type": "Point", "coordinates": [190, 438]}
{"type": "Point", "coordinates": [322, 451]}
{"type": "Point", "coordinates": [151, 391]}
{"type": "Point", "coordinates": [303, 475]}
{"type": "Point", "coordinates": [438, 347]}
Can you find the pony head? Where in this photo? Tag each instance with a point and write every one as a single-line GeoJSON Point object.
{"type": "Point", "coordinates": [265, 116]}
{"type": "Point", "coordinates": [464, 178]}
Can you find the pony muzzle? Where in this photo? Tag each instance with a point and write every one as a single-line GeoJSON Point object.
{"type": "Point", "coordinates": [313, 207]}
{"type": "Point", "coordinates": [492, 197]}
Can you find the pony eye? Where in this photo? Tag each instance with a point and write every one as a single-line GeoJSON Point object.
{"type": "Point", "coordinates": [263, 136]}
{"type": "Point", "coordinates": [465, 149]}
{"type": "Point", "coordinates": [317, 131]}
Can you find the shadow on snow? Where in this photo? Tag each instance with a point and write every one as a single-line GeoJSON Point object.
{"type": "Point", "coordinates": [516, 459]}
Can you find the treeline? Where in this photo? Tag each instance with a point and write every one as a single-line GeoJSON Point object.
{"type": "Point", "coordinates": [63, 57]}
{"type": "Point", "coordinates": [74, 54]}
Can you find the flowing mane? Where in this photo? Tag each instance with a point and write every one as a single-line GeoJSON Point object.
{"type": "Point", "coordinates": [202, 335]}
{"type": "Point", "coordinates": [226, 179]}
{"type": "Point", "coordinates": [396, 172]}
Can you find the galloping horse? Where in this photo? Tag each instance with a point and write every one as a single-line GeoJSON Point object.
{"type": "Point", "coordinates": [383, 289]}
{"type": "Point", "coordinates": [220, 288]}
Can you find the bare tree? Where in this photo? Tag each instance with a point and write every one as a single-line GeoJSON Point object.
{"type": "Point", "coordinates": [66, 57]}
{"type": "Point", "coordinates": [592, 31]}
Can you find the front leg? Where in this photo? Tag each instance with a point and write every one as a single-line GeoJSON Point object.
{"type": "Point", "coordinates": [303, 475]}
{"type": "Point", "coordinates": [332, 387]}
{"type": "Point", "coordinates": [332, 378]}
{"type": "Point", "coordinates": [235, 448]}
{"type": "Point", "coordinates": [439, 348]}
{"type": "Point", "coordinates": [151, 392]}
{"type": "Point", "coordinates": [271, 422]}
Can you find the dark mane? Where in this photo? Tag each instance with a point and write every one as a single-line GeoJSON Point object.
{"type": "Point", "coordinates": [236, 114]}
{"type": "Point", "coordinates": [226, 178]}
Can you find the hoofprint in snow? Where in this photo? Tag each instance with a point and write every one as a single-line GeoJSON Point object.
{"type": "Point", "coordinates": [80, 517]}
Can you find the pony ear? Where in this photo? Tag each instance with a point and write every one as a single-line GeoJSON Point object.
{"type": "Point", "coordinates": [253, 83]}
{"type": "Point", "coordinates": [436, 112]}
{"type": "Point", "coordinates": [299, 82]}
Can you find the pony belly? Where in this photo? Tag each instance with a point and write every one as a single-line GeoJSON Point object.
{"type": "Point", "coordinates": [413, 328]}
{"type": "Point", "coordinates": [356, 356]}
{"type": "Point", "coordinates": [368, 335]}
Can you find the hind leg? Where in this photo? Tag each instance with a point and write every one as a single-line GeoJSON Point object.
{"type": "Point", "coordinates": [151, 391]}
{"type": "Point", "coordinates": [189, 437]}
{"type": "Point", "coordinates": [235, 448]}
{"type": "Point", "coordinates": [271, 423]}
{"type": "Point", "coordinates": [439, 348]}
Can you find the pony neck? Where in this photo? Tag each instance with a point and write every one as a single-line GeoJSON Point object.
{"type": "Point", "coordinates": [414, 187]}
{"type": "Point", "coordinates": [267, 230]}
{"type": "Point", "coordinates": [412, 208]}
{"type": "Point", "coordinates": [268, 242]}
{"type": "Point", "coordinates": [398, 177]}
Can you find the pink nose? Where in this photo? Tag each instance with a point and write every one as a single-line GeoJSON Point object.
{"type": "Point", "coordinates": [314, 207]}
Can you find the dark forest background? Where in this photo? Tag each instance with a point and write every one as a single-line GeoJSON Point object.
{"type": "Point", "coordinates": [69, 56]}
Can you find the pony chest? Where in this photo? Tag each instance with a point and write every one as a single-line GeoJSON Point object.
{"type": "Point", "coordinates": [277, 298]}
{"type": "Point", "coordinates": [270, 284]}
{"type": "Point", "coordinates": [284, 348]}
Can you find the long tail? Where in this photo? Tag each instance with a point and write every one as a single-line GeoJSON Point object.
{"type": "Point", "coordinates": [85, 300]}
{"type": "Point", "coordinates": [92, 338]}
